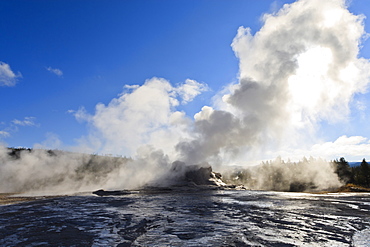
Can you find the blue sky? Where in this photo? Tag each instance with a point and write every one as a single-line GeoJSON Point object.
{"type": "Point", "coordinates": [71, 54]}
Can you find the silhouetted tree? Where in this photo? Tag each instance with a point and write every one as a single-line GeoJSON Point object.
{"type": "Point", "coordinates": [343, 170]}
{"type": "Point", "coordinates": [365, 173]}
{"type": "Point", "coordinates": [361, 174]}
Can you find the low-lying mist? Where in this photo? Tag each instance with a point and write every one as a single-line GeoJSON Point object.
{"type": "Point", "coordinates": [278, 175]}
{"type": "Point", "coordinates": [57, 172]}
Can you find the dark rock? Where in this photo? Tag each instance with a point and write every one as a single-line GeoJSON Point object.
{"type": "Point", "coordinates": [111, 192]}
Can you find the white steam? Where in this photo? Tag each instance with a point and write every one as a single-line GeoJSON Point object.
{"type": "Point", "coordinates": [278, 175]}
{"type": "Point", "coordinates": [58, 172]}
{"type": "Point", "coordinates": [301, 68]}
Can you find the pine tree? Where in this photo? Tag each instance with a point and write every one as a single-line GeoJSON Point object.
{"type": "Point", "coordinates": [343, 170]}
{"type": "Point", "coordinates": [364, 173]}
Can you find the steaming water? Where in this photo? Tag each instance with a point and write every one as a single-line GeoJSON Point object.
{"type": "Point", "coordinates": [202, 218]}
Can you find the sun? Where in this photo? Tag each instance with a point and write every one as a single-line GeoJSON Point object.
{"type": "Point", "coordinates": [311, 77]}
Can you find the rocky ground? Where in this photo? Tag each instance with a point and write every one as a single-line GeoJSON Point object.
{"type": "Point", "coordinates": [10, 198]}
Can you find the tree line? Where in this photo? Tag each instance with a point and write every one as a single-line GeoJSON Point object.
{"type": "Point", "coordinates": [358, 175]}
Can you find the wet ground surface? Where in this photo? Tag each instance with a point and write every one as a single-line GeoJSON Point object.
{"type": "Point", "coordinates": [203, 218]}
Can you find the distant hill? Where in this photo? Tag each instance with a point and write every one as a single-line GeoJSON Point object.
{"type": "Point", "coordinates": [353, 164]}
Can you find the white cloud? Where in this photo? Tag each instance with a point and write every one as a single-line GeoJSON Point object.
{"type": "Point", "coordinates": [7, 77]}
{"type": "Point", "coordinates": [27, 121]}
{"type": "Point", "coordinates": [144, 116]}
{"type": "Point", "coordinates": [131, 86]}
{"type": "Point", "coordinates": [81, 114]}
{"type": "Point", "coordinates": [14, 126]}
{"type": "Point", "coordinates": [4, 133]}
{"type": "Point", "coordinates": [57, 72]}
{"type": "Point", "coordinates": [190, 89]}
{"type": "Point", "coordinates": [52, 142]}
{"type": "Point", "coordinates": [360, 105]}
{"type": "Point", "coordinates": [353, 148]}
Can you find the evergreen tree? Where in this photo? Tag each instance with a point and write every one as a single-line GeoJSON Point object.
{"type": "Point", "coordinates": [343, 170]}
{"type": "Point", "coordinates": [365, 173]}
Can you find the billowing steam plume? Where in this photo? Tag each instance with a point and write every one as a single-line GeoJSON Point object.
{"type": "Point", "coordinates": [302, 67]}
{"type": "Point", "coordinates": [279, 175]}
